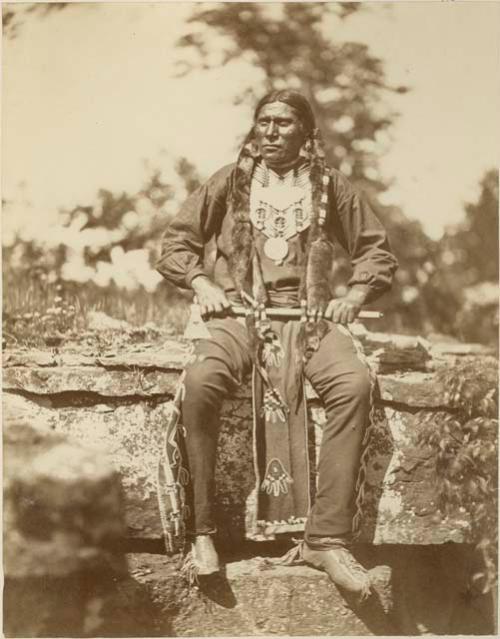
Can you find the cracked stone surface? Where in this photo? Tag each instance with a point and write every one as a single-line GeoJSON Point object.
{"type": "Point", "coordinates": [416, 591]}
{"type": "Point", "coordinates": [118, 403]}
{"type": "Point", "coordinates": [78, 421]}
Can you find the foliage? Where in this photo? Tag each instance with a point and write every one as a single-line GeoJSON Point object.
{"type": "Point", "coordinates": [100, 257]}
{"type": "Point", "coordinates": [289, 43]}
{"type": "Point", "coordinates": [292, 45]}
{"type": "Point", "coordinates": [107, 247]}
{"type": "Point", "coordinates": [476, 240]}
{"type": "Point", "coordinates": [39, 314]}
{"type": "Point", "coordinates": [418, 302]}
{"type": "Point", "coordinates": [100, 232]}
{"type": "Point", "coordinates": [53, 317]}
{"type": "Point", "coordinates": [466, 442]}
{"type": "Point", "coordinates": [469, 258]}
{"type": "Point", "coordinates": [14, 15]}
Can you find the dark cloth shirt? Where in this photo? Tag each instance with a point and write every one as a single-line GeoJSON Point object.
{"type": "Point", "coordinates": [350, 222]}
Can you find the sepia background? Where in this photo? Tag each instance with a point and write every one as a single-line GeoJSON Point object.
{"type": "Point", "coordinates": [113, 113]}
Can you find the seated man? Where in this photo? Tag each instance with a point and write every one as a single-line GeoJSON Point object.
{"type": "Point", "coordinates": [278, 215]}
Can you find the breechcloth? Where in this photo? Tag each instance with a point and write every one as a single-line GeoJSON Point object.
{"type": "Point", "coordinates": [341, 380]}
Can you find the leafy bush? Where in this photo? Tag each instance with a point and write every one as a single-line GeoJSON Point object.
{"type": "Point", "coordinates": [98, 257]}
{"type": "Point", "coordinates": [466, 445]}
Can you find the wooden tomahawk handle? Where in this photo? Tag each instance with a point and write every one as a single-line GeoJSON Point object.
{"type": "Point", "coordinates": [295, 313]}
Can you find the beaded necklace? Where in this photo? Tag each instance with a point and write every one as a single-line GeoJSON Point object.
{"type": "Point", "coordinates": [280, 207]}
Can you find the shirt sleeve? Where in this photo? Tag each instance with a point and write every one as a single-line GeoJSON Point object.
{"type": "Point", "coordinates": [365, 239]}
{"type": "Point", "coordinates": [182, 244]}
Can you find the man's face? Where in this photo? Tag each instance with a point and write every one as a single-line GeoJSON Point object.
{"type": "Point", "coordinates": [279, 134]}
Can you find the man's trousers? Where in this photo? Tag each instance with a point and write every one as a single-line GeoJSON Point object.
{"type": "Point", "coordinates": [341, 380]}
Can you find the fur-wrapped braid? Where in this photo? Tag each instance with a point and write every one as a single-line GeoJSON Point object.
{"type": "Point", "coordinates": [314, 287]}
{"type": "Point", "coordinates": [240, 259]}
{"type": "Point", "coordinates": [243, 261]}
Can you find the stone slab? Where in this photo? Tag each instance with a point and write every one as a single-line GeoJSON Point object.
{"type": "Point", "coordinates": [390, 352]}
{"type": "Point", "coordinates": [119, 401]}
{"type": "Point", "coordinates": [399, 495]}
{"type": "Point", "coordinates": [417, 591]}
{"type": "Point", "coordinates": [249, 601]}
{"type": "Point", "coordinates": [415, 389]}
{"type": "Point", "coordinates": [128, 435]}
{"type": "Point", "coordinates": [171, 355]}
{"type": "Point", "coordinates": [90, 379]}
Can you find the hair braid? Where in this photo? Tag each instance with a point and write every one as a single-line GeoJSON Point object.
{"type": "Point", "coordinates": [242, 250]}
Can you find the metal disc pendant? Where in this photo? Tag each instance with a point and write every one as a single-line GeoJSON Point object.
{"type": "Point", "coordinates": [276, 248]}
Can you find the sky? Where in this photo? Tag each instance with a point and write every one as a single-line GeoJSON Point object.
{"type": "Point", "coordinates": [89, 94]}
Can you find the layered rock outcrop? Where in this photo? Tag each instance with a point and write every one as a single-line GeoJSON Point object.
{"type": "Point", "coordinates": [63, 500]}
{"type": "Point", "coordinates": [120, 402]}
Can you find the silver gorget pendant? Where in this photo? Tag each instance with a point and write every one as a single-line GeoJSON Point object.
{"type": "Point", "coordinates": [276, 248]}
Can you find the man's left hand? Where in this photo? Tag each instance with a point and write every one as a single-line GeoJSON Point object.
{"type": "Point", "coordinates": [344, 310]}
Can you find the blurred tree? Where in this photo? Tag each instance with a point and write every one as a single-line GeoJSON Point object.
{"type": "Point", "coordinates": [114, 238]}
{"type": "Point", "coordinates": [469, 258]}
{"type": "Point", "coordinates": [139, 217]}
{"type": "Point", "coordinates": [292, 45]}
{"type": "Point", "coordinates": [15, 15]}
{"type": "Point", "coordinates": [473, 244]}
{"type": "Point", "coordinates": [99, 256]}
{"type": "Point", "coordinates": [418, 302]}
{"type": "Point", "coordinates": [449, 286]}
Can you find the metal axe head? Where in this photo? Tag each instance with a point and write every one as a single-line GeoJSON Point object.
{"type": "Point", "coordinates": [196, 328]}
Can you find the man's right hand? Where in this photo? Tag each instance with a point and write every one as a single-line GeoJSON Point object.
{"type": "Point", "coordinates": [211, 298]}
